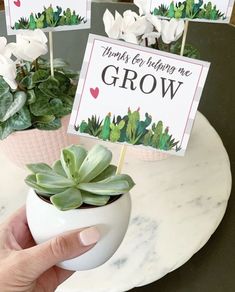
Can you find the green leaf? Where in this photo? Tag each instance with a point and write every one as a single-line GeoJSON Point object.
{"type": "Point", "coordinates": [108, 188]}
{"type": "Point", "coordinates": [72, 159]}
{"type": "Point", "coordinates": [27, 82]}
{"type": "Point", "coordinates": [118, 177]}
{"type": "Point", "coordinates": [5, 129]}
{"type": "Point", "coordinates": [58, 168]}
{"type": "Point", "coordinates": [43, 119]}
{"type": "Point", "coordinates": [50, 87]}
{"type": "Point", "coordinates": [4, 87]}
{"type": "Point", "coordinates": [58, 108]}
{"type": "Point", "coordinates": [53, 125]}
{"type": "Point", "coordinates": [97, 160]}
{"type": "Point", "coordinates": [41, 106]}
{"type": "Point", "coordinates": [108, 172]}
{"type": "Point", "coordinates": [94, 200]}
{"type": "Point", "coordinates": [6, 100]}
{"type": "Point", "coordinates": [67, 200]}
{"type": "Point", "coordinates": [53, 181]}
{"type": "Point", "coordinates": [58, 63]}
{"type": "Point", "coordinates": [40, 76]}
{"type": "Point", "coordinates": [19, 101]}
{"type": "Point", "coordinates": [64, 82]}
{"type": "Point", "coordinates": [31, 97]}
{"type": "Point", "coordinates": [21, 120]}
{"type": "Point", "coordinates": [32, 182]}
{"type": "Point", "coordinates": [39, 168]}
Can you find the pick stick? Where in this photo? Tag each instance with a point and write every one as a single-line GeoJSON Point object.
{"type": "Point", "coordinates": [121, 159]}
{"type": "Point", "coordinates": [51, 53]}
{"type": "Point", "coordinates": [184, 37]}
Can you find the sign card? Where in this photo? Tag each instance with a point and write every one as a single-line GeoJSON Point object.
{"type": "Point", "coordinates": [194, 10]}
{"type": "Point", "coordinates": [48, 15]}
{"type": "Point", "coordinates": [137, 95]}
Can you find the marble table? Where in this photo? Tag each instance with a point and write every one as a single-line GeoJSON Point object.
{"type": "Point", "coordinates": [177, 205]}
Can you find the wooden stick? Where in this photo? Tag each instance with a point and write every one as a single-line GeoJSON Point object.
{"type": "Point", "coordinates": [51, 53]}
{"type": "Point", "coordinates": [186, 25]}
{"type": "Point", "coordinates": [121, 159]}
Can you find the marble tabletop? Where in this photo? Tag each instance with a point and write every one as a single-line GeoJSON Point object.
{"type": "Point", "coordinates": [177, 205]}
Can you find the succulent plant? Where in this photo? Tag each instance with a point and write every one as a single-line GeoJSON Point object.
{"type": "Point", "coordinates": [79, 178]}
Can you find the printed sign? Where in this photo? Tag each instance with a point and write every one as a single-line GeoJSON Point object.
{"type": "Point", "coordinates": [48, 15]}
{"type": "Point", "coordinates": [137, 95]}
{"type": "Point", "coordinates": [194, 10]}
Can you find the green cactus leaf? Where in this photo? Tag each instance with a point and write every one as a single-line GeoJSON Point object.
{"type": "Point", "coordinates": [72, 159]}
{"type": "Point", "coordinates": [53, 181]}
{"type": "Point", "coordinates": [112, 188]}
{"type": "Point", "coordinates": [94, 200]}
{"type": "Point", "coordinates": [39, 168]}
{"type": "Point", "coordinates": [97, 160]}
{"type": "Point", "coordinates": [69, 199]}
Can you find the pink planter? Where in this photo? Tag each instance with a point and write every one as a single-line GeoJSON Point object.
{"type": "Point", "coordinates": [33, 146]}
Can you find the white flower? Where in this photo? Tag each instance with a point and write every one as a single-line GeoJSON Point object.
{"type": "Point", "coordinates": [7, 66]}
{"type": "Point", "coordinates": [112, 25]}
{"type": "Point", "coordinates": [30, 45]}
{"type": "Point", "coordinates": [142, 4]}
{"type": "Point", "coordinates": [172, 30]}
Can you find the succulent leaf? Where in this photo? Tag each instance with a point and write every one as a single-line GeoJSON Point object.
{"type": "Point", "coordinates": [58, 168]}
{"type": "Point", "coordinates": [97, 160]}
{"type": "Point", "coordinates": [109, 171]}
{"type": "Point", "coordinates": [71, 159]}
{"type": "Point", "coordinates": [31, 181]}
{"type": "Point", "coordinates": [112, 188]}
{"type": "Point", "coordinates": [94, 200]}
{"type": "Point", "coordinates": [49, 180]}
{"type": "Point", "coordinates": [69, 199]}
{"type": "Point", "coordinates": [39, 168]}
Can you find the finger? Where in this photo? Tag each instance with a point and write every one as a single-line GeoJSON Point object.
{"type": "Point", "coordinates": [63, 247]}
{"type": "Point", "coordinates": [18, 225]}
{"type": "Point", "coordinates": [62, 275]}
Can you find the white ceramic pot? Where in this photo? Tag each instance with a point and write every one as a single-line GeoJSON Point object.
{"type": "Point", "coordinates": [45, 222]}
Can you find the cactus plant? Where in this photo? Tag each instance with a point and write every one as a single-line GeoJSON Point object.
{"type": "Point", "coordinates": [133, 119]}
{"type": "Point", "coordinates": [116, 131]}
{"type": "Point", "coordinates": [79, 178]}
{"type": "Point", "coordinates": [94, 127]}
{"type": "Point", "coordinates": [105, 133]}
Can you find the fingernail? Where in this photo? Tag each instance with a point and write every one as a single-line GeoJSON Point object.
{"type": "Point", "coordinates": [89, 236]}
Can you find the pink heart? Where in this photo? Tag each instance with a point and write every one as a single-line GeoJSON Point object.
{"type": "Point", "coordinates": [17, 3]}
{"type": "Point", "coordinates": [95, 92]}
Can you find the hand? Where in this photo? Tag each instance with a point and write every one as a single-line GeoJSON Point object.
{"type": "Point", "coordinates": [25, 266]}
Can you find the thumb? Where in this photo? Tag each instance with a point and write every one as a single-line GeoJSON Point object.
{"type": "Point", "coordinates": [63, 247]}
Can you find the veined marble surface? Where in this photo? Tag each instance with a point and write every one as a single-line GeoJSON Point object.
{"type": "Point", "coordinates": [177, 205]}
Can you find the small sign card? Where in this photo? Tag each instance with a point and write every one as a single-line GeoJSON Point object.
{"type": "Point", "coordinates": [137, 95]}
{"type": "Point", "coordinates": [194, 10]}
{"type": "Point", "coordinates": [48, 15]}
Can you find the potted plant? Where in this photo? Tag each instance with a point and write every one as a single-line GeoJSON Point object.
{"type": "Point", "coordinates": [34, 106]}
{"type": "Point", "coordinates": [80, 190]}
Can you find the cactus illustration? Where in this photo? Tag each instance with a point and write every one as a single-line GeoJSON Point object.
{"type": "Point", "coordinates": [83, 127]}
{"type": "Point", "coordinates": [164, 139]}
{"type": "Point", "coordinates": [197, 7]}
{"type": "Point", "coordinates": [147, 140]}
{"type": "Point", "coordinates": [142, 128]}
{"type": "Point", "coordinates": [68, 16]}
{"type": "Point", "coordinates": [157, 133]}
{"type": "Point", "coordinates": [189, 8]}
{"type": "Point", "coordinates": [40, 21]}
{"type": "Point", "coordinates": [171, 12]}
{"type": "Point", "coordinates": [179, 11]}
{"type": "Point", "coordinates": [32, 22]}
{"type": "Point", "coordinates": [49, 15]}
{"type": "Point", "coordinates": [105, 133]}
{"type": "Point", "coordinates": [133, 119]}
{"type": "Point", "coordinates": [116, 131]}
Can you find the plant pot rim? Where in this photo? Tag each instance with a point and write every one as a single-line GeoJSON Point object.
{"type": "Point", "coordinates": [83, 209]}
